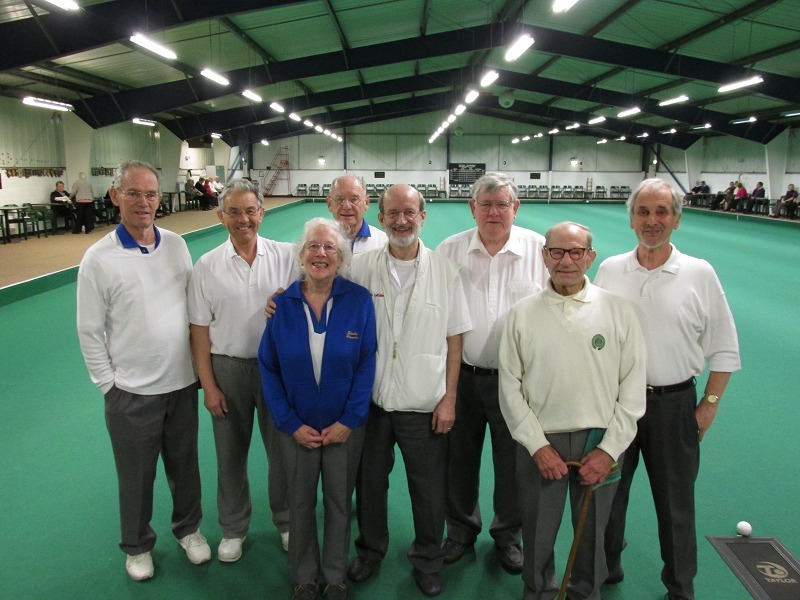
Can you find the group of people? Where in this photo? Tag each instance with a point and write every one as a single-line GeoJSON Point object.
{"type": "Point", "coordinates": [206, 191]}
{"type": "Point", "coordinates": [736, 199]}
{"type": "Point", "coordinates": [382, 342]}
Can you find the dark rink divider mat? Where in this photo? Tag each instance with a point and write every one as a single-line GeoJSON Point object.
{"type": "Point", "coordinates": [764, 566]}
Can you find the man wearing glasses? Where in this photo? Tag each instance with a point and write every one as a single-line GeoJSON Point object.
{"type": "Point", "coordinates": [572, 379]}
{"type": "Point", "coordinates": [348, 202]}
{"type": "Point", "coordinates": [226, 297]}
{"type": "Point", "coordinates": [687, 323]}
{"type": "Point", "coordinates": [420, 313]}
{"type": "Point", "coordinates": [133, 330]}
{"type": "Point", "coordinates": [500, 264]}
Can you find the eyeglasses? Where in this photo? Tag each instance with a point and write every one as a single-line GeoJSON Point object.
{"type": "Point", "coordinates": [315, 247]}
{"type": "Point", "coordinates": [574, 253]}
{"type": "Point", "coordinates": [353, 200]}
{"type": "Point", "coordinates": [501, 206]}
{"type": "Point", "coordinates": [250, 212]}
{"type": "Point", "coordinates": [410, 214]}
{"type": "Point", "coordinates": [149, 196]}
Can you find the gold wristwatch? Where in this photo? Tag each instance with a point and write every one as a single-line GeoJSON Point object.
{"type": "Point", "coordinates": [711, 398]}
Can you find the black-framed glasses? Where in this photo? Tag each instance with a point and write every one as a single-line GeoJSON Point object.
{"type": "Point", "coordinates": [315, 247]}
{"type": "Point", "coordinates": [250, 212]}
{"type": "Point", "coordinates": [500, 205]}
{"type": "Point", "coordinates": [352, 200]}
{"type": "Point", "coordinates": [410, 214]}
{"type": "Point", "coordinates": [574, 253]}
{"type": "Point", "coordinates": [149, 196]}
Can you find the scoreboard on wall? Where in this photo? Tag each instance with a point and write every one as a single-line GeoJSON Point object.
{"type": "Point", "coordinates": [466, 172]}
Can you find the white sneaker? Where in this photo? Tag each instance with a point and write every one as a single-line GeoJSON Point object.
{"type": "Point", "coordinates": [230, 549]}
{"type": "Point", "coordinates": [285, 541]}
{"type": "Point", "coordinates": [140, 566]}
{"type": "Point", "coordinates": [197, 548]}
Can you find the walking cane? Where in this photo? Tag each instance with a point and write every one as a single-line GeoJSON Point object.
{"type": "Point", "coordinates": [573, 551]}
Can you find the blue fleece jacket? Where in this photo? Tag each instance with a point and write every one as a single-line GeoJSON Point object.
{"type": "Point", "coordinates": [348, 360]}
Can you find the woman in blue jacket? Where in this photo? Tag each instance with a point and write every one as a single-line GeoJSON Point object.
{"type": "Point", "coordinates": [317, 359]}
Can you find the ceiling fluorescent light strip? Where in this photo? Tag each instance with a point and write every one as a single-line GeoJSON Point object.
{"type": "Point", "coordinates": [596, 120]}
{"type": "Point", "coordinates": [743, 121]}
{"type": "Point", "coordinates": [560, 6]}
{"type": "Point", "coordinates": [682, 98]}
{"type": "Point", "coordinates": [144, 42]}
{"type": "Point", "coordinates": [740, 84]}
{"type": "Point", "coordinates": [146, 122]}
{"type": "Point", "coordinates": [215, 77]}
{"type": "Point", "coordinates": [64, 4]}
{"type": "Point", "coordinates": [489, 78]}
{"type": "Point", "coordinates": [519, 47]}
{"type": "Point", "coordinates": [44, 103]}
{"type": "Point", "coordinates": [629, 112]}
{"type": "Point", "coordinates": [251, 95]}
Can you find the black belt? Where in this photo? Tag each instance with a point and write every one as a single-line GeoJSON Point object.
{"type": "Point", "coordinates": [658, 390]}
{"type": "Point", "coordinates": [478, 370]}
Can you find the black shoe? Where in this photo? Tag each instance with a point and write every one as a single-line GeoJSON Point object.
{"type": "Point", "coordinates": [511, 558]}
{"type": "Point", "coordinates": [615, 575]}
{"type": "Point", "coordinates": [429, 584]}
{"type": "Point", "coordinates": [361, 569]}
{"type": "Point", "coordinates": [305, 591]}
{"type": "Point", "coordinates": [335, 592]}
{"type": "Point", "coordinates": [453, 550]}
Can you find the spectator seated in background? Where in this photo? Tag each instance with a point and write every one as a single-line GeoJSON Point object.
{"type": "Point", "coordinates": [739, 196]}
{"type": "Point", "coordinates": [788, 202]}
{"type": "Point", "coordinates": [690, 198]}
{"type": "Point", "coordinates": [64, 209]}
{"type": "Point", "coordinates": [207, 200]}
{"type": "Point", "coordinates": [724, 196]}
{"type": "Point", "coordinates": [192, 194]}
{"type": "Point", "coordinates": [756, 195]}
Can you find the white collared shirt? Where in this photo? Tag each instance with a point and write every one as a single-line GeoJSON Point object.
{"type": "Point", "coordinates": [683, 312]}
{"type": "Point", "coordinates": [493, 284]}
{"type": "Point", "coordinates": [228, 295]}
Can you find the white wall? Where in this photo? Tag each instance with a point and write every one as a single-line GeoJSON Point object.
{"type": "Point", "coordinates": [34, 137]}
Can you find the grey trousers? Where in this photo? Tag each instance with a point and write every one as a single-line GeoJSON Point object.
{"type": "Point", "coordinates": [543, 503]}
{"type": "Point", "coordinates": [425, 457]}
{"type": "Point", "coordinates": [476, 408]}
{"type": "Point", "coordinates": [141, 428]}
{"type": "Point", "coordinates": [336, 465]}
{"type": "Point", "coordinates": [240, 381]}
{"type": "Point", "coordinates": [668, 443]}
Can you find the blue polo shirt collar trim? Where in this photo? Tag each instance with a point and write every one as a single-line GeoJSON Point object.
{"type": "Point", "coordinates": [127, 241]}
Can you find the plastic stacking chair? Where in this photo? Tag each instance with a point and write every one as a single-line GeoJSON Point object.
{"type": "Point", "coordinates": [23, 218]}
{"type": "Point", "coordinates": [43, 214]}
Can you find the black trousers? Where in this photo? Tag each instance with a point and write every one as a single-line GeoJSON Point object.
{"type": "Point", "coordinates": [667, 440]}
{"type": "Point", "coordinates": [84, 217]}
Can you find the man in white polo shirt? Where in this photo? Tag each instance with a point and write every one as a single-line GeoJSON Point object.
{"type": "Point", "coordinates": [686, 323]}
{"type": "Point", "coordinates": [133, 331]}
{"type": "Point", "coordinates": [348, 201]}
{"type": "Point", "coordinates": [226, 299]}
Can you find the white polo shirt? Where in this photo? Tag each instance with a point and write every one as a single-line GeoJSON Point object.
{"type": "Point", "coordinates": [683, 312]}
{"type": "Point", "coordinates": [493, 284]}
{"type": "Point", "coordinates": [228, 295]}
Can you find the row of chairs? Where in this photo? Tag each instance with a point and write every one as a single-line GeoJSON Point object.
{"type": "Point", "coordinates": [314, 190]}
{"type": "Point", "coordinates": [464, 190]}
